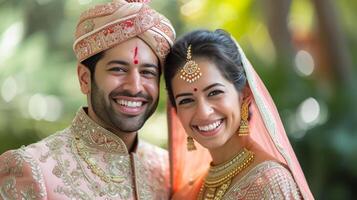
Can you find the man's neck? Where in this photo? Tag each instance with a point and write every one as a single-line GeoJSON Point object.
{"type": "Point", "coordinates": [129, 139]}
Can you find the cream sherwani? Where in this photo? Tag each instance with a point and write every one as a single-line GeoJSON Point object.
{"type": "Point", "coordinates": [58, 167]}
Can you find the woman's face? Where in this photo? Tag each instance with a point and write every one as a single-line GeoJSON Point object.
{"type": "Point", "coordinates": [209, 108]}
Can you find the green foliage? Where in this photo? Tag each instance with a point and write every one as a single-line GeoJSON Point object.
{"type": "Point", "coordinates": [36, 56]}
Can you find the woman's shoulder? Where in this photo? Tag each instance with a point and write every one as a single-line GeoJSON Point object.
{"type": "Point", "coordinates": [268, 179]}
{"type": "Point", "coordinates": [268, 169]}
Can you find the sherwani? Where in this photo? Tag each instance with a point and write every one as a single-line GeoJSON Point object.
{"type": "Point", "coordinates": [84, 161]}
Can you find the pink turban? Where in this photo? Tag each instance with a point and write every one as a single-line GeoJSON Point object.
{"type": "Point", "coordinates": [106, 25]}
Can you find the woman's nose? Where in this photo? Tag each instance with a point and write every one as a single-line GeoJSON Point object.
{"type": "Point", "coordinates": [204, 109]}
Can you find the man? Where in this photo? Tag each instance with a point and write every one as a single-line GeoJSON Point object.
{"type": "Point", "coordinates": [120, 47]}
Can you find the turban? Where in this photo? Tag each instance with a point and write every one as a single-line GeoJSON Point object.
{"type": "Point", "coordinates": [106, 25]}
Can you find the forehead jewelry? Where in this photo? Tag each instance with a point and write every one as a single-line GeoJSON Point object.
{"type": "Point", "coordinates": [190, 71]}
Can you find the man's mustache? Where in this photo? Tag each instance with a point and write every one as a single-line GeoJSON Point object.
{"type": "Point", "coordinates": [126, 93]}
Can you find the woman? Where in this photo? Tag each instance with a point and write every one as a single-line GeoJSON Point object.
{"type": "Point", "coordinates": [237, 147]}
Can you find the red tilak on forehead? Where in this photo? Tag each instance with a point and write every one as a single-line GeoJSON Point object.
{"type": "Point", "coordinates": [136, 61]}
{"type": "Point", "coordinates": [195, 89]}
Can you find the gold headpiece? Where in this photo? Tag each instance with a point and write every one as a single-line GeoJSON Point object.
{"type": "Point", "coordinates": [190, 71]}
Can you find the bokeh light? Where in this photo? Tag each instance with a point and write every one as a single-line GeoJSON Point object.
{"type": "Point", "coordinates": [9, 89]}
{"type": "Point", "coordinates": [304, 63]}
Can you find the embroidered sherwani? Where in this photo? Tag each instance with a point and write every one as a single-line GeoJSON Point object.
{"type": "Point", "coordinates": [58, 167]}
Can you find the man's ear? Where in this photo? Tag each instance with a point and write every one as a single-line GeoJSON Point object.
{"type": "Point", "coordinates": [84, 78]}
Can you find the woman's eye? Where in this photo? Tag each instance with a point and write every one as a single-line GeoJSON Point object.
{"type": "Point", "coordinates": [185, 101]}
{"type": "Point", "coordinates": [215, 92]}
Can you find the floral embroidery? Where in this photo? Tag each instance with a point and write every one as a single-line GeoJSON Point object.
{"type": "Point", "coordinates": [162, 48]}
{"type": "Point", "coordinates": [100, 10]}
{"type": "Point", "coordinates": [8, 189]}
{"type": "Point", "coordinates": [268, 180]}
{"type": "Point", "coordinates": [166, 29]}
{"type": "Point", "coordinates": [96, 136]}
{"type": "Point", "coordinates": [14, 166]}
{"type": "Point", "coordinates": [67, 176]}
{"type": "Point", "coordinates": [115, 33]}
{"type": "Point", "coordinates": [88, 25]}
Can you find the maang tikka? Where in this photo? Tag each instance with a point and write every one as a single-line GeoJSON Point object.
{"type": "Point", "coordinates": [190, 71]}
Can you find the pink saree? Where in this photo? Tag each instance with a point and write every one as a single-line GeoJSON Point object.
{"type": "Point", "coordinates": [266, 129]}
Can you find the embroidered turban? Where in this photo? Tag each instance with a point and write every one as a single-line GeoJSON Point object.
{"type": "Point", "coordinates": [106, 25]}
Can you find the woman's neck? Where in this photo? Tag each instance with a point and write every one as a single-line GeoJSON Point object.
{"type": "Point", "coordinates": [231, 148]}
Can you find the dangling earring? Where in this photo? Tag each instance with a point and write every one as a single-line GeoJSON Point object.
{"type": "Point", "coordinates": [244, 123]}
{"type": "Point", "coordinates": [190, 144]}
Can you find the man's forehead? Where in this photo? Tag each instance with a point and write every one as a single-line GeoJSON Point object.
{"type": "Point", "coordinates": [129, 49]}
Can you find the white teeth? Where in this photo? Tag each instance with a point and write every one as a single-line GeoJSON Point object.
{"type": "Point", "coordinates": [131, 104]}
{"type": "Point", "coordinates": [210, 127]}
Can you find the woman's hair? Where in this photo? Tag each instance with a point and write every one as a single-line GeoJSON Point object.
{"type": "Point", "coordinates": [216, 46]}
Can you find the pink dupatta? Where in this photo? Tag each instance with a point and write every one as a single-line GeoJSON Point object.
{"type": "Point", "coordinates": [265, 127]}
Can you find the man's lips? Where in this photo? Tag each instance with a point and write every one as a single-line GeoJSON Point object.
{"type": "Point", "coordinates": [130, 106]}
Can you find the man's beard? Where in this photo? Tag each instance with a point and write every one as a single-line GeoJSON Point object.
{"type": "Point", "coordinates": [118, 121]}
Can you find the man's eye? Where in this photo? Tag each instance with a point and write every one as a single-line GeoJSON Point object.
{"type": "Point", "coordinates": [149, 73]}
{"type": "Point", "coordinates": [185, 101]}
{"type": "Point", "coordinates": [215, 92]}
{"type": "Point", "coordinates": [116, 69]}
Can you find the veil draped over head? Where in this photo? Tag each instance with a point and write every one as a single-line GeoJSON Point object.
{"type": "Point", "coordinates": [265, 128]}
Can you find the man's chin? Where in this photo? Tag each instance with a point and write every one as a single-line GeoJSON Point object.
{"type": "Point", "coordinates": [128, 127]}
{"type": "Point", "coordinates": [128, 130]}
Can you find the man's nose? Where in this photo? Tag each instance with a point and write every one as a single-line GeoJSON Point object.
{"type": "Point", "coordinates": [133, 82]}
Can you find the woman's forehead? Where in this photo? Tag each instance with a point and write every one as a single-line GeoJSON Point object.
{"type": "Point", "coordinates": [210, 74]}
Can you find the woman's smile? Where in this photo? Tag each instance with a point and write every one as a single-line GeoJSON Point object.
{"type": "Point", "coordinates": [210, 129]}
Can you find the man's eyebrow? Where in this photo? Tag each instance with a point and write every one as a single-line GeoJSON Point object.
{"type": "Point", "coordinates": [150, 65]}
{"type": "Point", "coordinates": [120, 62]}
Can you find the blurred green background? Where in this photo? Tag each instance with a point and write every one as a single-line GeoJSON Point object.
{"type": "Point", "coordinates": [303, 49]}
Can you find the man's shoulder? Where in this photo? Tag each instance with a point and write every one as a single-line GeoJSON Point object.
{"type": "Point", "coordinates": [24, 170]}
{"type": "Point", "coordinates": [58, 137]}
{"type": "Point", "coordinates": [42, 145]}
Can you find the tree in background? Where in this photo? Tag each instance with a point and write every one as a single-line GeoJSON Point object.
{"type": "Point", "coordinates": [302, 49]}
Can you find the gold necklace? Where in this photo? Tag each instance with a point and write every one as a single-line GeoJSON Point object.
{"type": "Point", "coordinates": [219, 177]}
{"type": "Point", "coordinates": [82, 151]}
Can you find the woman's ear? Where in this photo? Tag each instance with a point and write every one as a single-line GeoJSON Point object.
{"type": "Point", "coordinates": [245, 93]}
{"type": "Point", "coordinates": [84, 78]}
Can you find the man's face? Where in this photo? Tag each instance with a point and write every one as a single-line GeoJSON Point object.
{"type": "Point", "coordinates": [125, 89]}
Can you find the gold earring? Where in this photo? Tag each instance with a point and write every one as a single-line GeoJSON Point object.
{"type": "Point", "coordinates": [190, 144]}
{"type": "Point", "coordinates": [244, 123]}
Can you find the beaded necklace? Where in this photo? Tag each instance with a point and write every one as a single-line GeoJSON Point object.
{"type": "Point", "coordinates": [219, 177]}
